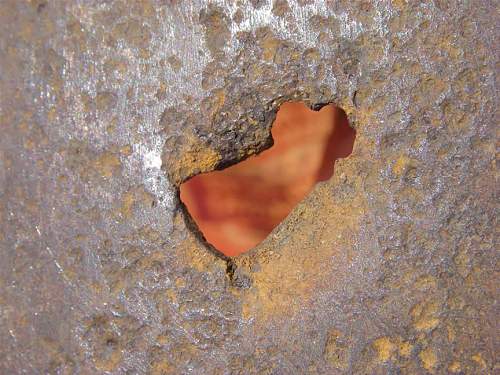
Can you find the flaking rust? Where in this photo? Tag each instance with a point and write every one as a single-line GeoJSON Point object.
{"type": "Point", "coordinates": [389, 267]}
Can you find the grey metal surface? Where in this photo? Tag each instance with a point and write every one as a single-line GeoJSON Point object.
{"type": "Point", "coordinates": [106, 106]}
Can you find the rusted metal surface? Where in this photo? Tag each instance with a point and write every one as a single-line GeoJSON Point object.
{"type": "Point", "coordinates": [106, 106]}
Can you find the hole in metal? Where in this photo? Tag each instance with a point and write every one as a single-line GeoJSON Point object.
{"type": "Point", "coordinates": [237, 207]}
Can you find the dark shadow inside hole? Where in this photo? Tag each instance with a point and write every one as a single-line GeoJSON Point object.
{"type": "Point", "coordinates": [237, 207]}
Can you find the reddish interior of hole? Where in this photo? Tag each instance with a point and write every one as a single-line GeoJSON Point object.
{"type": "Point", "coordinates": [237, 208]}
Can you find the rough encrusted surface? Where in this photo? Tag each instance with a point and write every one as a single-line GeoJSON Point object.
{"type": "Point", "coordinates": [389, 267]}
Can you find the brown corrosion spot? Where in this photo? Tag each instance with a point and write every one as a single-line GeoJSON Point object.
{"type": "Point", "coordinates": [236, 208]}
